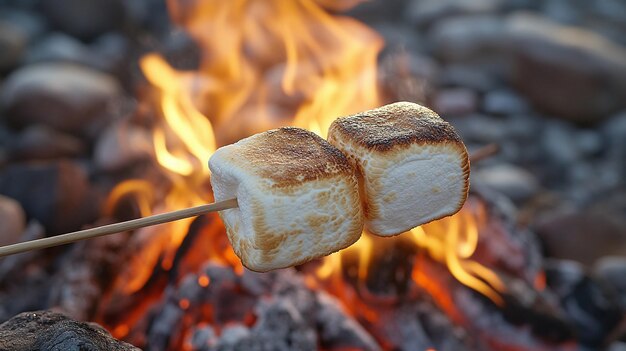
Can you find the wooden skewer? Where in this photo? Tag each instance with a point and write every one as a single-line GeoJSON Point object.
{"type": "Point", "coordinates": [116, 228]}
{"type": "Point", "coordinates": [482, 153]}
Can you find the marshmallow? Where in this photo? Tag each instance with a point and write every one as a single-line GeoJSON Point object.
{"type": "Point", "coordinates": [412, 166]}
{"type": "Point", "coordinates": [298, 198]}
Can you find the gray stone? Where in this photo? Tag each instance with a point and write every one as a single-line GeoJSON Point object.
{"type": "Point", "coordinates": [28, 23]}
{"type": "Point", "coordinates": [426, 12]}
{"type": "Point", "coordinates": [613, 270]}
{"type": "Point", "coordinates": [66, 97]}
{"type": "Point", "coordinates": [589, 142]}
{"type": "Point", "coordinates": [50, 331]}
{"type": "Point", "coordinates": [562, 276]}
{"type": "Point", "coordinates": [466, 38]}
{"type": "Point", "coordinates": [12, 221]}
{"type": "Point", "coordinates": [105, 54]}
{"type": "Point", "coordinates": [584, 237]}
{"type": "Point", "coordinates": [455, 102]}
{"type": "Point", "coordinates": [12, 45]}
{"type": "Point", "coordinates": [504, 102]}
{"type": "Point", "coordinates": [569, 72]}
{"type": "Point", "coordinates": [57, 194]}
{"type": "Point", "coordinates": [122, 144]}
{"type": "Point", "coordinates": [516, 183]}
{"type": "Point", "coordinates": [479, 128]}
{"type": "Point", "coordinates": [617, 346]}
{"type": "Point", "coordinates": [85, 19]}
{"type": "Point", "coordinates": [39, 142]}
{"type": "Point", "coordinates": [564, 11]}
{"type": "Point", "coordinates": [609, 9]}
{"type": "Point", "coordinates": [559, 143]}
{"type": "Point", "coordinates": [468, 76]}
{"type": "Point", "coordinates": [57, 47]}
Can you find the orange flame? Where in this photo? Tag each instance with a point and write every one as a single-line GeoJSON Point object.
{"type": "Point", "coordinates": [267, 64]}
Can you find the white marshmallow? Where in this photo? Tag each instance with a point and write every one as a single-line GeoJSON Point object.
{"type": "Point", "coordinates": [298, 198]}
{"type": "Point", "coordinates": [413, 166]}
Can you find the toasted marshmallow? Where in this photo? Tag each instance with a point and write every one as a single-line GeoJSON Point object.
{"type": "Point", "coordinates": [298, 198]}
{"type": "Point", "coordinates": [413, 167]}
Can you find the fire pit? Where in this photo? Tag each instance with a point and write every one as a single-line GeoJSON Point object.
{"type": "Point", "coordinates": [109, 110]}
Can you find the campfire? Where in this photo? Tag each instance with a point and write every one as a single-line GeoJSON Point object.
{"type": "Point", "coordinates": [472, 281]}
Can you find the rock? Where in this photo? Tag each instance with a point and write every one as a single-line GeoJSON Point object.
{"type": "Point", "coordinates": [58, 47]}
{"type": "Point", "coordinates": [564, 11]}
{"type": "Point", "coordinates": [369, 11]}
{"type": "Point", "coordinates": [504, 102]}
{"type": "Point", "coordinates": [84, 19]}
{"type": "Point", "coordinates": [113, 50]}
{"type": "Point", "coordinates": [122, 144]}
{"type": "Point", "coordinates": [424, 12]}
{"type": "Point", "coordinates": [516, 183]}
{"type": "Point", "coordinates": [566, 71]}
{"type": "Point", "coordinates": [468, 76]}
{"type": "Point", "coordinates": [559, 143]}
{"type": "Point", "coordinates": [12, 221]}
{"type": "Point", "coordinates": [617, 346]}
{"type": "Point", "coordinates": [40, 143]}
{"type": "Point", "coordinates": [106, 54]}
{"type": "Point", "coordinates": [28, 23]}
{"type": "Point", "coordinates": [589, 142]}
{"type": "Point", "coordinates": [613, 270]}
{"type": "Point", "coordinates": [57, 194]}
{"type": "Point", "coordinates": [466, 38]}
{"type": "Point", "coordinates": [562, 276]}
{"type": "Point", "coordinates": [455, 102]}
{"type": "Point", "coordinates": [63, 96]}
{"type": "Point", "coordinates": [479, 128]}
{"type": "Point", "coordinates": [582, 236]}
{"type": "Point", "coordinates": [591, 305]}
{"type": "Point", "coordinates": [613, 132]}
{"type": "Point", "coordinates": [12, 45]}
{"type": "Point", "coordinates": [50, 331]}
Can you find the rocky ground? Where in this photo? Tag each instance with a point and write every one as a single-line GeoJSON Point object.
{"type": "Point", "coordinates": [543, 79]}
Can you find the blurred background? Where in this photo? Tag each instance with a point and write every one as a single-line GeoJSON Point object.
{"type": "Point", "coordinates": [544, 81]}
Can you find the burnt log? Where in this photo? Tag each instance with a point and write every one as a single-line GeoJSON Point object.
{"type": "Point", "coordinates": [50, 331]}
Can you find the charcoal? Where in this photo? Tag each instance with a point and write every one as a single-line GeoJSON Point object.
{"type": "Point", "coordinates": [50, 331]}
{"type": "Point", "coordinates": [594, 308]}
{"type": "Point", "coordinates": [57, 194]}
{"type": "Point", "coordinates": [85, 274]}
{"type": "Point", "coordinates": [236, 337]}
{"type": "Point", "coordinates": [339, 331]}
{"type": "Point", "coordinates": [203, 338]}
{"type": "Point", "coordinates": [280, 326]}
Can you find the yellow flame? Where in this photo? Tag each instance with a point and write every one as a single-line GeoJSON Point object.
{"type": "Point", "coordinates": [266, 64]}
{"type": "Point", "coordinates": [453, 241]}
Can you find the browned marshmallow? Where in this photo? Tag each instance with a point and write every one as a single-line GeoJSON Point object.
{"type": "Point", "coordinates": [412, 165]}
{"type": "Point", "coordinates": [298, 198]}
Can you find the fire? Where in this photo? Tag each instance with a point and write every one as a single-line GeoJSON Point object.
{"type": "Point", "coordinates": [266, 64]}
